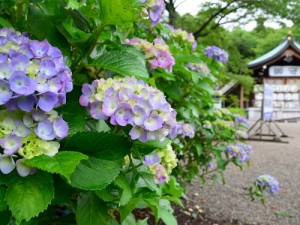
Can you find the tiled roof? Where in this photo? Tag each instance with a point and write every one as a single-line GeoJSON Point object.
{"type": "Point", "coordinates": [289, 41]}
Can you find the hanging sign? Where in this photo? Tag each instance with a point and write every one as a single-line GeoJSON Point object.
{"type": "Point", "coordinates": [284, 71]}
{"type": "Point", "coordinates": [267, 107]}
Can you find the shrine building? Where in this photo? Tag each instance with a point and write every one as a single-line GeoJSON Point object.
{"type": "Point", "coordinates": [280, 68]}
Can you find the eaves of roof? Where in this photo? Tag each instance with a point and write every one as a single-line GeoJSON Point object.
{"type": "Point", "coordinates": [274, 53]}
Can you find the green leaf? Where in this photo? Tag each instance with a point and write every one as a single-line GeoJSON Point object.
{"type": "Point", "coordinates": [73, 4]}
{"type": "Point", "coordinates": [125, 210]}
{"type": "Point", "coordinates": [37, 28]}
{"type": "Point", "coordinates": [99, 144]}
{"type": "Point", "coordinates": [123, 62]}
{"type": "Point", "coordinates": [63, 163]}
{"type": "Point", "coordinates": [3, 204]}
{"type": "Point", "coordinates": [5, 217]}
{"type": "Point", "coordinates": [106, 194]}
{"type": "Point", "coordinates": [73, 34]}
{"type": "Point", "coordinates": [118, 12]}
{"type": "Point", "coordinates": [150, 146]}
{"type": "Point", "coordinates": [126, 195]}
{"type": "Point", "coordinates": [149, 179]}
{"type": "Point", "coordinates": [5, 23]}
{"type": "Point", "coordinates": [106, 154]}
{"type": "Point", "coordinates": [174, 91]}
{"type": "Point", "coordinates": [95, 173]}
{"type": "Point", "coordinates": [130, 220]}
{"type": "Point", "coordinates": [172, 187]}
{"type": "Point", "coordinates": [28, 196]}
{"type": "Point", "coordinates": [91, 210]}
{"type": "Point", "coordinates": [165, 212]}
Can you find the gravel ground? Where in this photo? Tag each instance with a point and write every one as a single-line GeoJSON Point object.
{"type": "Point", "coordinates": [230, 202]}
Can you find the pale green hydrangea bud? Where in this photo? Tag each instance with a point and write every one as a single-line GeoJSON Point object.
{"type": "Point", "coordinates": [168, 158]}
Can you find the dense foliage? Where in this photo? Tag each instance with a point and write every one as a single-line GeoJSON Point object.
{"type": "Point", "coordinates": [133, 124]}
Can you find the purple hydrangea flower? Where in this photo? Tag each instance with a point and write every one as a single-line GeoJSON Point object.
{"type": "Point", "coordinates": [160, 173]}
{"type": "Point", "coordinates": [128, 101]}
{"type": "Point", "coordinates": [155, 10]}
{"type": "Point", "coordinates": [269, 183]}
{"type": "Point", "coordinates": [239, 151]}
{"type": "Point", "coordinates": [241, 120]}
{"type": "Point", "coordinates": [216, 53]}
{"type": "Point", "coordinates": [31, 68]}
{"type": "Point", "coordinates": [27, 134]}
{"type": "Point", "coordinates": [185, 130]}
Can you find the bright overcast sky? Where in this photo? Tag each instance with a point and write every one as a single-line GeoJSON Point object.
{"type": "Point", "coordinates": [193, 6]}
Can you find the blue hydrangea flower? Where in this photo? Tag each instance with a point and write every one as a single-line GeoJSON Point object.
{"type": "Point", "coordinates": [239, 151]}
{"type": "Point", "coordinates": [241, 120]}
{"type": "Point", "coordinates": [32, 73]}
{"type": "Point", "coordinates": [216, 53]}
{"type": "Point", "coordinates": [269, 183]}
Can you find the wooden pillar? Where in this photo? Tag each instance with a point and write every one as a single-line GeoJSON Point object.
{"type": "Point", "coordinates": [241, 97]}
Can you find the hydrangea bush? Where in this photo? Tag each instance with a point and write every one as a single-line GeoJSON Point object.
{"type": "Point", "coordinates": [104, 110]}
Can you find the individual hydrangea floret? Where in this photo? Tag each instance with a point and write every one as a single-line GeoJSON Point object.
{"type": "Point", "coordinates": [199, 67]}
{"type": "Point", "coordinates": [128, 101]}
{"type": "Point", "coordinates": [151, 159]}
{"type": "Point", "coordinates": [158, 54]}
{"type": "Point", "coordinates": [155, 9]}
{"type": "Point", "coordinates": [216, 53]}
{"type": "Point", "coordinates": [269, 183]}
{"type": "Point", "coordinates": [25, 135]}
{"type": "Point", "coordinates": [33, 74]}
{"type": "Point", "coordinates": [240, 151]}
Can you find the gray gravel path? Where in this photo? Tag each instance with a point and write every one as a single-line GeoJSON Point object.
{"type": "Point", "coordinates": [230, 203]}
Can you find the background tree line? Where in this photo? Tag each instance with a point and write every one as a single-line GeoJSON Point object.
{"type": "Point", "coordinates": [242, 46]}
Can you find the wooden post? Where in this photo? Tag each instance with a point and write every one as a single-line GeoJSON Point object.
{"type": "Point", "coordinates": [241, 97]}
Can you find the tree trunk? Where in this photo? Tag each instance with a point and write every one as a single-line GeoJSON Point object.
{"type": "Point", "coordinates": [170, 7]}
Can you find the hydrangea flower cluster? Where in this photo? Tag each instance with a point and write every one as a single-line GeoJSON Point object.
{"type": "Point", "coordinates": [241, 120]}
{"type": "Point", "coordinates": [161, 162]}
{"type": "Point", "coordinates": [216, 53]}
{"type": "Point", "coordinates": [155, 10]}
{"type": "Point", "coordinates": [183, 36]}
{"type": "Point", "coordinates": [185, 130]}
{"type": "Point", "coordinates": [269, 183]}
{"type": "Point", "coordinates": [25, 135]}
{"type": "Point", "coordinates": [33, 80]}
{"type": "Point", "coordinates": [128, 101]}
{"type": "Point", "coordinates": [239, 151]}
{"type": "Point", "coordinates": [199, 67]}
{"type": "Point", "coordinates": [32, 73]}
{"type": "Point", "coordinates": [158, 53]}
